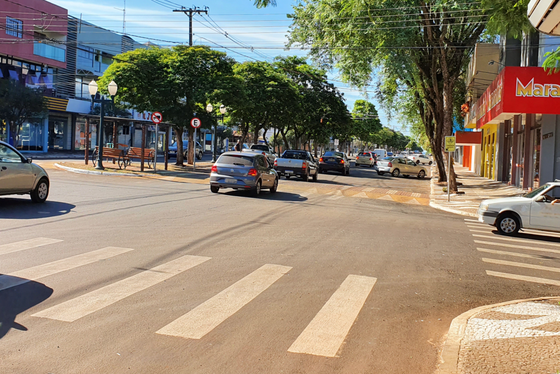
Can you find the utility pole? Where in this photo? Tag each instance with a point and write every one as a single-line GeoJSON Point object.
{"type": "Point", "coordinates": [189, 12]}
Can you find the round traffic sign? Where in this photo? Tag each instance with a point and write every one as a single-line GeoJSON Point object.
{"type": "Point", "coordinates": [195, 122]}
{"type": "Point", "coordinates": [157, 117]}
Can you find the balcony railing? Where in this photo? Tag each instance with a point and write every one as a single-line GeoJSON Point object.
{"type": "Point", "coordinates": [49, 51]}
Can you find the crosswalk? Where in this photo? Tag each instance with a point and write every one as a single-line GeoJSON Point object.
{"type": "Point", "coordinates": [324, 336]}
{"type": "Point", "coordinates": [515, 256]}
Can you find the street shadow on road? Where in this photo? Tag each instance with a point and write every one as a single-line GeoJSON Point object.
{"type": "Point", "coordinates": [544, 238]}
{"type": "Point", "coordinates": [16, 300]}
{"type": "Point", "coordinates": [266, 195]}
{"type": "Point", "coordinates": [15, 208]}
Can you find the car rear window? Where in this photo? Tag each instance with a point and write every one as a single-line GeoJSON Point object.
{"type": "Point", "coordinates": [235, 160]}
{"type": "Point", "coordinates": [260, 147]}
{"type": "Point", "coordinates": [336, 154]}
{"type": "Point", "coordinates": [294, 155]}
{"type": "Point", "coordinates": [364, 154]}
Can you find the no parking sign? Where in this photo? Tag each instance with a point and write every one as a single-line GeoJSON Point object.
{"type": "Point", "coordinates": [195, 122]}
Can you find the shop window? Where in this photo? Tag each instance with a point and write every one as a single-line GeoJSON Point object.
{"type": "Point", "coordinates": [126, 130]}
{"type": "Point", "coordinates": [14, 27]}
{"type": "Point", "coordinates": [30, 136]}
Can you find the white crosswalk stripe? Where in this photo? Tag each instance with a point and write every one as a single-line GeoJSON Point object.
{"type": "Point", "coordinates": [26, 244]}
{"type": "Point", "coordinates": [528, 241]}
{"type": "Point", "coordinates": [81, 306]}
{"type": "Point", "coordinates": [208, 315]}
{"type": "Point", "coordinates": [41, 271]}
{"type": "Point", "coordinates": [326, 332]}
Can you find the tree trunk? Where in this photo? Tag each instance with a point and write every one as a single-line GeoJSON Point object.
{"type": "Point", "coordinates": [180, 158]}
{"type": "Point", "coordinates": [190, 154]}
{"type": "Point", "coordinates": [286, 144]}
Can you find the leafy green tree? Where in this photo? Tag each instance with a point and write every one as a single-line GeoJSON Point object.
{"type": "Point", "coordinates": [177, 82]}
{"type": "Point", "coordinates": [19, 103]}
{"type": "Point", "coordinates": [366, 120]}
{"type": "Point", "coordinates": [418, 45]}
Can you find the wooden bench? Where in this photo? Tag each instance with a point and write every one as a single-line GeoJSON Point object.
{"type": "Point", "coordinates": [115, 154]}
{"type": "Point", "coordinates": [136, 153]}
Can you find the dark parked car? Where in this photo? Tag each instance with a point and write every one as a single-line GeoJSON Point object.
{"type": "Point", "coordinates": [336, 161]}
{"type": "Point", "coordinates": [243, 171]}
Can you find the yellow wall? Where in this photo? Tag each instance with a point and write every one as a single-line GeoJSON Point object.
{"type": "Point", "coordinates": [488, 159]}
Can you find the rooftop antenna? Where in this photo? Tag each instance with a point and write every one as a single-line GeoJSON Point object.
{"type": "Point", "coordinates": [123, 17]}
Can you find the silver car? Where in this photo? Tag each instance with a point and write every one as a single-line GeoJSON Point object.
{"type": "Point", "coordinates": [366, 158]}
{"type": "Point", "coordinates": [18, 175]}
{"type": "Point", "coordinates": [400, 165]}
{"type": "Point", "coordinates": [243, 171]}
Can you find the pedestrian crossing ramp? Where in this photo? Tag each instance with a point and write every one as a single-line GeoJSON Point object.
{"type": "Point", "coordinates": [324, 335]}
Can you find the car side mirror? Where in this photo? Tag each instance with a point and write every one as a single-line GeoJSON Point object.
{"type": "Point", "coordinates": [540, 199]}
{"type": "Point", "coordinates": [29, 160]}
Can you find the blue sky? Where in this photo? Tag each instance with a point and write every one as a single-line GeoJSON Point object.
{"type": "Point", "coordinates": [248, 33]}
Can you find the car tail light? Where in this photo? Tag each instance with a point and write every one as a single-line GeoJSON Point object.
{"type": "Point", "coordinates": [390, 165]}
{"type": "Point", "coordinates": [321, 159]}
{"type": "Point", "coordinates": [304, 165]}
{"type": "Point", "coordinates": [264, 153]}
{"type": "Point", "coordinates": [370, 159]}
{"type": "Point", "coordinates": [342, 161]}
{"type": "Point", "coordinates": [357, 158]}
{"type": "Point", "coordinates": [275, 163]}
{"type": "Point", "coordinates": [214, 169]}
{"type": "Point", "coordinates": [252, 172]}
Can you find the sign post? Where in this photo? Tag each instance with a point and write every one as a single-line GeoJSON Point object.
{"type": "Point", "coordinates": [156, 118]}
{"type": "Point", "coordinates": [449, 148]}
{"type": "Point", "coordinates": [195, 123]}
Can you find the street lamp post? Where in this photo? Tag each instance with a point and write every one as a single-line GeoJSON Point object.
{"type": "Point", "coordinates": [209, 109]}
{"type": "Point", "coordinates": [112, 87]}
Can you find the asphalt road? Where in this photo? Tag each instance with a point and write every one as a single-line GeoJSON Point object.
{"type": "Point", "coordinates": [119, 274]}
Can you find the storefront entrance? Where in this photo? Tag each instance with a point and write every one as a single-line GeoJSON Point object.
{"type": "Point", "coordinates": [59, 134]}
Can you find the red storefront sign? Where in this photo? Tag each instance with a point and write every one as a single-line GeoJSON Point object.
{"type": "Point", "coordinates": [519, 90]}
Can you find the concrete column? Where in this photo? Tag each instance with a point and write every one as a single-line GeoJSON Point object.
{"type": "Point", "coordinates": [514, 146]}
{"type": "Point", "coordinates": [528, 154]}
{"type": "Point", "coordinates": [506, 154]}
{"type": "Point", "coordinates": [550, 148]}
{"type": "Point", "coordinates": [499, 152]}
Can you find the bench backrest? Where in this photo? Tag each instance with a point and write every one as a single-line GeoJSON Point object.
{"type": "Point", "coordinates": [111, 151]}
{"type": "Point", "coordinates": [137, 152]}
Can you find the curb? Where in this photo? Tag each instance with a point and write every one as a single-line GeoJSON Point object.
{"type": "Point", "coordinates": [449, 358]}
{"type": "Point", "coordinates": [451, 210]}
{"type": "Point", "coordinates": [80, 171]}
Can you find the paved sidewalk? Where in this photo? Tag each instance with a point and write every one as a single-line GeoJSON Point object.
{"type": "Point", "coordinates": [516, 337]}
{"type": "Point", "coordinates": [475, 190]}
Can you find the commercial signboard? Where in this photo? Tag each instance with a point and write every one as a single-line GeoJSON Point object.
{"type": "Point", "coordinates": [519, 90]}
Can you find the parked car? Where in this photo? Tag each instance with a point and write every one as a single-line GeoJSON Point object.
{"type": "Point", "coordinates": [243, 171]}
{"type": "Point", "coordinates": [173, 149]}
{"type": "Point", "coordinates": [381, 153]}
{"type": "Point", "coordinates": [336, 161]}
{"type": "Point", "coordinates": [300, 163]}
{"type": "Point", "coordinates": [400, 165]}
{"type": "Point", "coordinates": [420, 158]}
{"type": "Point", "coordinates": [366, 158]}
{"type": "Point", "coordinates": [537, 210]}
{"type": "Point", "coordinates": [18, 175]}
{"type": "Point", "coordinates": [264, 149]}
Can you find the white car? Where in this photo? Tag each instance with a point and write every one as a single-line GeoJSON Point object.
{"type": "Point", "coordinates": [537, 210]}
{"type": "Point", "coordinates": [18, 175]}
{"type": "Point", "coordinates": [420, 158]}
{"type": "Point", "coordinates": [366, 158]}
{"type": "Point", "coordinates": [400, 166]}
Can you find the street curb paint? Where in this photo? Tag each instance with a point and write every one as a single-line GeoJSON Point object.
{"type": "Point", "coordinates": [449, 358]}
{"type": "Point", "coordinates": [451, 210]}
{"type": "Point", "coordinates": [80, 171]}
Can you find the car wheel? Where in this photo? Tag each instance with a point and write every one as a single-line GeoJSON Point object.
{"type": "Point", "coordinates": [287, 177]}
{"type": "Point", "coordinates": [348, 171]}
{"type": "Point", "coordinates": [429, 163]}
{"type": "Point", "coordinates": [41, 191]}
{"type": "Point", "coordinates": [508, 224]}
{"type": "Point", "coordinates": [305, 176]}
{"type": "Point", "coordinates": [380, 172]}
{"type": "Point", "coordinates": [396, 173]}
{"type": "Point", "coordinates": [274, 187]}
{"type": "Point", "coordinates": [421, 174]}
{"type": "Point", "coordinates": [214, 189]}
{"type": "Point", "coordinates": [199, 156]}
{"type": "Point", "coordinates": [257, 189]}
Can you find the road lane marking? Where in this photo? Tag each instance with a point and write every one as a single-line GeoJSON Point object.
{"type": "Point", "coordinates": [81, 306]}
{"type": "Point", "coordinates": [208, 315]}
{"type": "Point", "coordinates": [481, 231]}
{"type": "Point", "coordinates": [474, 225]}
{"type": "Point", "coordinates": [515, 254]}
{"type": "Point", "coordinates": [26, 244]}
{"type": "Point", "coordinates": [471, 220]}
{"type": "Point", "coordinates": [532, 241]}
{"type": "Point", "coordinates": [326, 332]}
{"type": "Point", "coordinates": [521, 265]}
{"type": "Point", "coordinates": [523, 278]}
{"type": "Point", "coordinates": [41, 271]}
{"type": "Point", "coordinates": [518, 246]}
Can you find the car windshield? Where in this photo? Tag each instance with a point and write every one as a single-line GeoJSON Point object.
{"type": "Point", "coordinates": [260, 147]}
{"type": "Point", "coordinates": [388, 158]}
{"type": "Point", "coordinates": [236, 160]}
{"type": "Point", "coordinates": [534, 193]}
{"type": "Point", "coordinates": [294, 155]}
{"type": "Point", "coordinates": [336, 154]}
